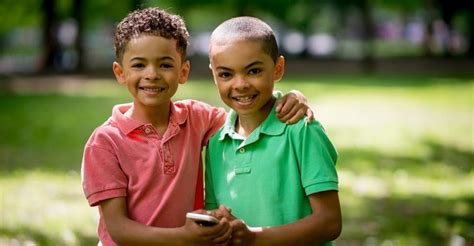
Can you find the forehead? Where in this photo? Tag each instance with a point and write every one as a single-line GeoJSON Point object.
{"type": "Point", "coordinates": [151, 46]}
{"type": "Point", "coordinates": [231, 51]}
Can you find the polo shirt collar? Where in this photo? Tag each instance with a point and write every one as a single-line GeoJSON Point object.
{"type": "Point", "coordinates": [127, 124]}
{"type": "Point", "coordinates": [270, 126]}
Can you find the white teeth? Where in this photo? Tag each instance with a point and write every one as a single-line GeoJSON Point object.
{"type": "Point", "coordinates": [244, 99]}
{"type": "Point", "coordinates": [153, 89]}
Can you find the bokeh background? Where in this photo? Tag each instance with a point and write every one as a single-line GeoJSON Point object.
{"type": "Point", "coordinates": [391, 81]}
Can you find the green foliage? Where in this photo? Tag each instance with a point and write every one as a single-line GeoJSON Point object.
{"type": "Point", "coordinates": [17, 14]}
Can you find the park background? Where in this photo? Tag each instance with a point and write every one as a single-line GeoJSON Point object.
{"type": "Point", "coordinates": [391, 81]}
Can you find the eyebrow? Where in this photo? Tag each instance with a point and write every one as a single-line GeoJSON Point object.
{"type": "Point", "coordinates": [246, 67]}
{"type": "Point", "coordinates": [139, 58]}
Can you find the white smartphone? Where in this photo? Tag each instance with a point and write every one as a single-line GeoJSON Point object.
{"type": "Point", "coordinates": [202, 219]}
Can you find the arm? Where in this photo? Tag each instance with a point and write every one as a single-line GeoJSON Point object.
{"type": "Point", "coordinates": [292, 107]}
{"type": "Point", "coordinates": [125, 231]}
{"type": "Point", "coordinates": [323, 225]}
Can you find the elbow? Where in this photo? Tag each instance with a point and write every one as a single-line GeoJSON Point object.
{"type": "Point", "coordinates": [334, 228]}
{"type": "Point", "coordinates": [119, 237]}
{"type": "Point", "coordinates": [334, 231]}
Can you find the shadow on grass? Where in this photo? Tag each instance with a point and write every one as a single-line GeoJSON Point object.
{"type": "Point", "coordinates": [461, 159]}
{"type": "Point", "coordinates": [439, 154]}
{"type": "Point", "coordinates": [414, 220]}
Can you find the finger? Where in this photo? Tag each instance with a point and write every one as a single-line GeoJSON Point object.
{"type": "Point", "coordinates": [286, 106]}
{"type": "Point", "coordinates": [215, 213]}
{"type": "Point", "coordinates": [211, 231]}
{"type": "Point", "coordinates": [237, 225]}
{"type": "Point", "coordinates": [223, 207]}
{"type": "Point", "coordinates": [310, 115]}
{"type": "Point", "coordinates": [297, 117]}
{"type": "Point", "coordinates": [226, 212]}
{"type": "Point", "coordinates": [237, 241]}
{"type": "Point", "coordinates": [280, 103]}
{"type": "Point", "coordinates": [224, 237]}
{"type": "Point", "coordinates": [295, 111]}
{"type": "Point", "coordinates": [200, 211]}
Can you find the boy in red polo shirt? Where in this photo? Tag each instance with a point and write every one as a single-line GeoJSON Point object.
{"type": "Point", "coordinates": [142, 167]}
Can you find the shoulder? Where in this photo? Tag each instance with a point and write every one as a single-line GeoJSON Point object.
{"type": "Point", "coordinates": [302, 125]}
{"type": "Point", "coordinates": [195, 105]}
{"type": "Point", "coordinates": [198, 109]}
{"type": "Point", "coordinates": [312, 131]}
{"type": "Point", "coordinates": [104, 134]}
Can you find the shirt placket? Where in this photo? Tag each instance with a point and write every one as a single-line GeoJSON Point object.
{"type": "Point", "coordinates": [169, 166]}
{"type": "Point", "coordinates": [242, 157]}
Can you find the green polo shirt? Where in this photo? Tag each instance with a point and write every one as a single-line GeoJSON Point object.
{"type": "Point", "coordinates": [267, 177]}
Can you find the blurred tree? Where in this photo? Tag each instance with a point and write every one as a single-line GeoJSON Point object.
{"type": "Point", "coordinates": [437, 9]}
{"type": "Point", "coordinates": [55, 12]}
{"type": "Point", "coordinates": [449, 9]}
{"type": "Point", "coordinates": [78, 15]}
{"type": "Point", "coordinates": [51, 48]}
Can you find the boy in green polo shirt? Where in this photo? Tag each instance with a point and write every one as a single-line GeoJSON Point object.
{"type": "Point", "coordinates": [280, 179]}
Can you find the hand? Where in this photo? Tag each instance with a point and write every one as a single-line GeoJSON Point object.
{"type": "Point", "coordinates": [222, 212]}
{"type": "Point", "coordinates": [206, 235]}
{"type": "Point", "coordinates": [241, 234]}
{"type": "Point", "coordinates": [292, 107]}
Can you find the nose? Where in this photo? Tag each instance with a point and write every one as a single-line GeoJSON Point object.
{"type": "Point", "coordinates": [152, 73]}
{"type": "Point", "coordinates": [240, 83]}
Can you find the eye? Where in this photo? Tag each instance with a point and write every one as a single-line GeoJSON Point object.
{"type": "Point", "coordinates": [255, 71]}
{"type": "Point", "coordinates": [224, 75]}
{"type": "Point", "coordinates": [138, 65]}
{"type": "Point", "coordinates": [166, 65]}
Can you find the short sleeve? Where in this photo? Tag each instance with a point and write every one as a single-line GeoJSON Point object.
{"type": "Point", "coordinates": [102, 177]}
{"type": "Point", "coordinates": [317, 159]}
{"type": "Point", "coordinates": [213, 118]}
{"type": "Point", "coordinates": [210, 198]}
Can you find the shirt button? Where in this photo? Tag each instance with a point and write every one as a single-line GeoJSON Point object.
{"type": "Point", "coordinates": [147, 130]}
{"type": "Point", "coordinates": [242, 150]}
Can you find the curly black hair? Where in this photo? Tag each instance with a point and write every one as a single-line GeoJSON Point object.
{"type": "Point", "coordinates": [152, 21]}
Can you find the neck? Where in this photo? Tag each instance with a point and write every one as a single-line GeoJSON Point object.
{"type": "Point", "coordinates": [157, 116]}
{"type": "Point", "coordinates": [246, 124]}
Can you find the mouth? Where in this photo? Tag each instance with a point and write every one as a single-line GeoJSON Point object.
{"type": "Point", "coordinates": [244, 100]}
{"type": "Point", "coordinates": [151, 90]}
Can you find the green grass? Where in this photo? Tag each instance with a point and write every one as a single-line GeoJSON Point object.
{"type": "Point", "coordinates": [405, 144]}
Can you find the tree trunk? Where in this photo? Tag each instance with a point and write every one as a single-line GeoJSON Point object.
{"type": "Point", "coordinates": [368, 35]}
{"type": "Point", "coordinates": [50, 44]}
{"type": "Point", "coordinates": [78, 15]}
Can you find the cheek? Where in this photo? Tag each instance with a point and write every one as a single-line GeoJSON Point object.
{"type": "Point", "coordinates": [221, 88]}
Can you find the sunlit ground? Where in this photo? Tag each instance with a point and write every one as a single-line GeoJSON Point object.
{"type": "Point", "coordinates": [405, 165]}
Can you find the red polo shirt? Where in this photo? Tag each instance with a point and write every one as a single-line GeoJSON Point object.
{"type": "Point", "coordinates": [161, 177]}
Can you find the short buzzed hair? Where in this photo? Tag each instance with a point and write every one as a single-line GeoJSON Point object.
{"type": "Point", "coordinates": [247, 28]}
{"type": "Point", "coordinates": [151, 21]}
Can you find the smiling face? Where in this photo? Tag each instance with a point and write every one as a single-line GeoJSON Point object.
{"type": "Point", "coordinates": [151, 68]}
{"type": "Point", "coordinates": [245, 75]}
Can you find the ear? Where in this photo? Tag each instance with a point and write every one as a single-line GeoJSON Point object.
{"type": "Point", "coordinates": [118, 72]}
{"type": "Point", "coordinates": [183, 77]}
{"type": "Point", "coordinates": [279, 68]}
{"type": "Point", "coordinates": [212, 71]}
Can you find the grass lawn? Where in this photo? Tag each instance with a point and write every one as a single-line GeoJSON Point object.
{"type": "Point", "coordinates": [405, 166]}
